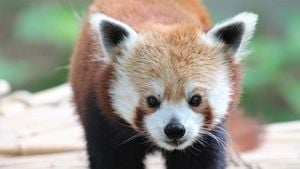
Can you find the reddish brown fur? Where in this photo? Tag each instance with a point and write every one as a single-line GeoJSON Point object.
{"type": "Point", "coordinates": [138, 13]}
{"type": "Point", "coordinates": [140, 115]}
{"type": "Point", "coordinates": [246, 134]}
{"type": "Point", "coordinates": [208, 117]}
{"type": "Point", "coordinates": [88, 77]}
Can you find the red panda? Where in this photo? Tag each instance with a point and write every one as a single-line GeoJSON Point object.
{"type": "Point", "coordinates": [153, 75]}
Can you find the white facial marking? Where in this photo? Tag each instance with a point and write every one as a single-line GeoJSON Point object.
{"type": "Point", "coordinates": [193, 85]}
{"type": "Point", "coordinates": [155, 161]}
{"type": "Point", "coordinates": [219, 96]}
{"type": "Point", "coordinates": [125, 97]}
{"type": "Point", "coordinates": [157, 87]}
{"type": "Point", "coordinates": [156, 122]}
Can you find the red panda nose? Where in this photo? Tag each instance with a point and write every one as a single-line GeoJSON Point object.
{"type": "Point", "coordinates": [174, 130]}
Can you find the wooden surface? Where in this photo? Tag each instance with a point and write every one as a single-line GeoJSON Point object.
{"type": "Point", "coordinates": [41, 131]}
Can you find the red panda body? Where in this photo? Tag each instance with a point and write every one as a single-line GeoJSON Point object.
{"type": "Point", "coordinates": [151, 75]}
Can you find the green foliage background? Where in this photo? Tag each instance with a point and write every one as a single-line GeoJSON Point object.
{"type": "Point", "coordinates": [272, 75]}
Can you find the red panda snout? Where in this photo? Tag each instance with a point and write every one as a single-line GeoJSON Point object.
{"type": "Point", "coordinates": [174, 126]}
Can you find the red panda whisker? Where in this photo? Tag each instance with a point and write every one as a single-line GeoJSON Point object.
{"type": "Point", "coordinates": [202, 142]}
{"type": "Point", "coordinates": [122, 124]}
{"type": "Point", "coordinates": [226, 132]}
{"type": "Point", "coordinates": [150, 147]}
{"type": "Point", "coordinates": [191, 148]}
{"type": "Point", "coordinates": [220, 142]}
{"type": "Point", "coordinates": [129, 139]}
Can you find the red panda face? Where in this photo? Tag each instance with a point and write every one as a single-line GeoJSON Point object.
{"type": "Point", "coordinates": [172, 84]}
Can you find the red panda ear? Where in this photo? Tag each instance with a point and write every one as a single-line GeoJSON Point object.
{"type": "Point", "coordinates": [235, 33]}
{"type": "Point", "coordinates": [112, 34]}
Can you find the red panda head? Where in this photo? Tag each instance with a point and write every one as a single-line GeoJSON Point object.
{"type": "Point", "coordinates": [172, 83]}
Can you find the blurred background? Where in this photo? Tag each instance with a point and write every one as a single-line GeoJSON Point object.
{"type": "Point", "coordinates": [37, 38]}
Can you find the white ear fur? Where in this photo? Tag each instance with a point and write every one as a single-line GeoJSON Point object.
{"type": "Point", "coordinates": [112, 33]}
{"type": "Point", "coordinates": [246, 21]}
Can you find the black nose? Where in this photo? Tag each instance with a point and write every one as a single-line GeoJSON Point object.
{"type": "Point", "coordinates": [174, 130]}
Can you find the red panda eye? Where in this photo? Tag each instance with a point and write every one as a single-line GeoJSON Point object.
{"type": "Point", "coordinates": [153, 102]}
{"type": "Point", "coordinates": [195, 101]}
